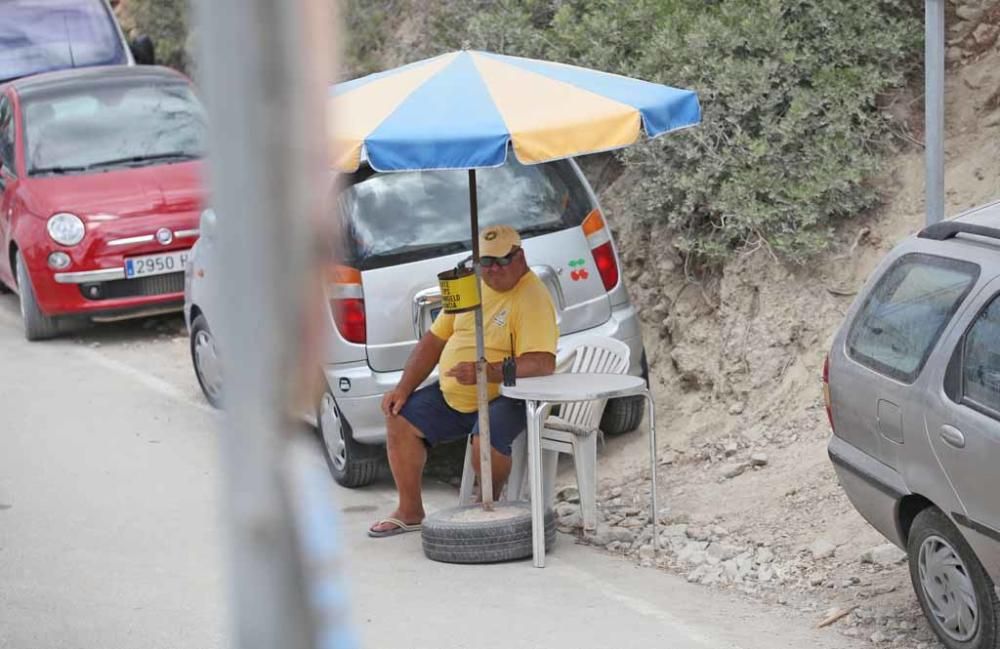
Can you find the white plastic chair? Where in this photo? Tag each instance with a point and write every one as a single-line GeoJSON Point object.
{"type": "Point", "coordinates": [574, 430]}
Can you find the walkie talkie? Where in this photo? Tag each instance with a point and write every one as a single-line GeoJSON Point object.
{"type": "Point", "coordinates": [509, 366]}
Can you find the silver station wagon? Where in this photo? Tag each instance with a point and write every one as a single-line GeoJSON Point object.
{"type": "Point", "coordinates": [399, 230]}
{"type": "Point", "coordinates": [913, 394]}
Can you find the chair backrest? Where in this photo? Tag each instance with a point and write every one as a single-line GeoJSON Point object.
{"type": "Point", "coordinates": [596, 354]}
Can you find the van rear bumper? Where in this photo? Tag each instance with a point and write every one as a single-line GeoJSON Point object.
{"type": "Point", "coordinates": [358, 389]}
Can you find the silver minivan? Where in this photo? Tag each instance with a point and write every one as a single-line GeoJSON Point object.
{"type": "Point", "coordinates": [913, 396]}
{"type": "Point", "coordinates": [399, 230]}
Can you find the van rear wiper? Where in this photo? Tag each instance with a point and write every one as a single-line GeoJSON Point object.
{"type": "Point", "coordinates": [540, 229]}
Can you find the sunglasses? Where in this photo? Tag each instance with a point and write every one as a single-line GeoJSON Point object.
{"type": "Point", "coordinates": [486, 262]}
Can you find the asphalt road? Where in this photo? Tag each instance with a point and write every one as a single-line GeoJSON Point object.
{"type": "Point", "coordinates": [110, 535]}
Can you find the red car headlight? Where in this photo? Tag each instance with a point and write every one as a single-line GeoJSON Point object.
{"type": "Point", "coordinates": [66, 229]}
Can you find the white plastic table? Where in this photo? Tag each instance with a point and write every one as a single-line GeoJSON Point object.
{"type": "Point", "coordinates": [541, 391]}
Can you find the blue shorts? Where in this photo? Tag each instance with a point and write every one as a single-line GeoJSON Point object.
{"type": "Point", "coordinates": [438, 422]}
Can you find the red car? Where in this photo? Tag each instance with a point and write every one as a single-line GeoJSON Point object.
{"type": "Point", "coordinates": [100, 193]}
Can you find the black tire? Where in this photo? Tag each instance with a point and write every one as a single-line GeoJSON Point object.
{"type": "Point", "coordinates": [623, 415]}
{"type": "Point", "coordinates": [460, 541]}
{"type": "Point", "coordinates": [352, 464]}
{"type": "Point", "coordinates": [37, 325]}
{"type": "Point", "coordinates": [934, 541]}
{"type": "Point", "coordinates": [202, 344]}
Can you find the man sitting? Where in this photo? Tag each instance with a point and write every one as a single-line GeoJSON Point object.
{"type": "Point", "coordinates": [517, 314]}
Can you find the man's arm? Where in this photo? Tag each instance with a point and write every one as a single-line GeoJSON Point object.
{"type": "Point", "coordinates": [418, 367]}
{"type": "Point", "coordinates": [528, 364]}
{"type": "Point", "coordinates": [421, 362]}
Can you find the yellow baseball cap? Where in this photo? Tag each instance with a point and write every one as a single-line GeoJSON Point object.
{"type": "Point", "coordinates": [498, 241]}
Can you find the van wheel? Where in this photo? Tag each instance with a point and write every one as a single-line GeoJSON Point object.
{"type": "Point", "coordinates": [955, 593]}
{"type": "Point", "coordinates": [37, 325]}
{"type": "Point", "coordinates": [351, 464]}
{"type": "Point", "coordinates": [206, 361]}
{"type": "Point", "coordinates": [623, 415]}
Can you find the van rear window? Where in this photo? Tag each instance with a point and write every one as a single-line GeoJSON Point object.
{"type": "Point", "coordinates": [906, 312]}
{"type": "Point", "coordinates": [43, 35]}
{"type": "Point", "coordinates": [401, 217]}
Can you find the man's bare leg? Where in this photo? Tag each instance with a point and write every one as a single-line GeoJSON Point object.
{"type": "Point", "coordinates": [407, 455]}
{"type": "Point", "coordinates": [499, 463]}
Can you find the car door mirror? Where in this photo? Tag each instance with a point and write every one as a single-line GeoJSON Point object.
{"type": "Point", "coordinates": [143, 50]}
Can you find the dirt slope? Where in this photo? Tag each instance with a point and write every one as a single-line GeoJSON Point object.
{"type": "Point", "coordinates": [736, 364]}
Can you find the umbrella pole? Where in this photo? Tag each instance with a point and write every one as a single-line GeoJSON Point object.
{"type": "Point", "coordinates": [485, 464]}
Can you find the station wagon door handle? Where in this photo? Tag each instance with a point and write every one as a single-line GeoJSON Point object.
{"type": "Point", "coordinates": [952, 436]}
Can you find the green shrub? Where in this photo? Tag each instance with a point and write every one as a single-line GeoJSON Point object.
{"type": "Point", "coordinates": [366, 26]}
{"type": "Point", "coordinates": [166, 22]}
{"type": "Point", "coordinates": [791, 129]}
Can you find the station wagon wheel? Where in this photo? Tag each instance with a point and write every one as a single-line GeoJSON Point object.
{"type": "Point", "coordinates": [352, 464]}
{"type": "Point", "coordinates": [946, 583]}
{"type": "Point", "coordinates": [206, 360]}
{"type": "Point", "coordinates": [956, 594]}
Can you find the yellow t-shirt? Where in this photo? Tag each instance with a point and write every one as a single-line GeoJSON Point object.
{"type": "Point", "coordinates": [524, 312]}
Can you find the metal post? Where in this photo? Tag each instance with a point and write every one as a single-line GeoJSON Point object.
{"type": "Point", "coordinates": [652, 467]}
{"type": "Point", "coordinates": [482, 397]}
{"type": "Point", "coordinates": [263, 73]}
{"type": "Point", "coordinates": [934, 108]}
{"type": "Point", "coordinates": [538, 499]}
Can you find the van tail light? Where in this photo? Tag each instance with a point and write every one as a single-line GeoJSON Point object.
{"type": "Point", "coordinates": [604, 257]}
{"type": "Point", "coordinates": [826, 390]}
{"type": "Point", "coordinates": [599, 239]}
{"type": "Point", "coordinates": [349, 314]}
{"type": "Point", "coordinates": [347, 303]}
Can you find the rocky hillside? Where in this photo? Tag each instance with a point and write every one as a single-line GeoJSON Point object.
{"type": "Point", "coordinates": [750, 500]}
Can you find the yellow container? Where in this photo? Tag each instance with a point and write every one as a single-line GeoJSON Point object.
{"type": "Point", "coordinates": [458, 290]}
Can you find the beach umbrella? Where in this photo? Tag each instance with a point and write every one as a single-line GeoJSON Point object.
{"type": "Point", "coordinates": [469, 110]}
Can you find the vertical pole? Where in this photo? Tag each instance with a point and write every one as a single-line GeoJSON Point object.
{"type": "Point", "coordinates": [652, 467]}
{"type": "Point", "coordinates": [262, 67]}
{"type": "Point", "coordinates": [934, 108]}
{"type": "Point", "coordinates": [485, 463]}
{"type": "Point", "coordinates": [538, 495]}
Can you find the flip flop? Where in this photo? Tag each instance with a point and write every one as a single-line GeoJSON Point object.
{"type": "Point", "coordinates": [401, 528]}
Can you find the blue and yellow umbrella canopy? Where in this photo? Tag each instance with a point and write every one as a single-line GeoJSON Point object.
{"type": "Point", "coordinates": [461, 111]}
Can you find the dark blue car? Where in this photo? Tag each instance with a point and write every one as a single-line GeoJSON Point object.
{"type": "Point", "coordinates": [43, 35]}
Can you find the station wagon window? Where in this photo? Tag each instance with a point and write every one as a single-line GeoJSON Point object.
{"type": "Point", "coordinates": [395, 218]}
{"type": "Point", "coordinates": [981, 362]}
{"type": "Point", "coordinates": [6, 134]}
{"type": "Point", "coordinates": [906, 312]}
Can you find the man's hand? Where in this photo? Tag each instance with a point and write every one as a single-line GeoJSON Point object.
{"type": "Point", "coordinates": [464, 373]}
{"type": "Point", "coordinates": [393, 401]}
